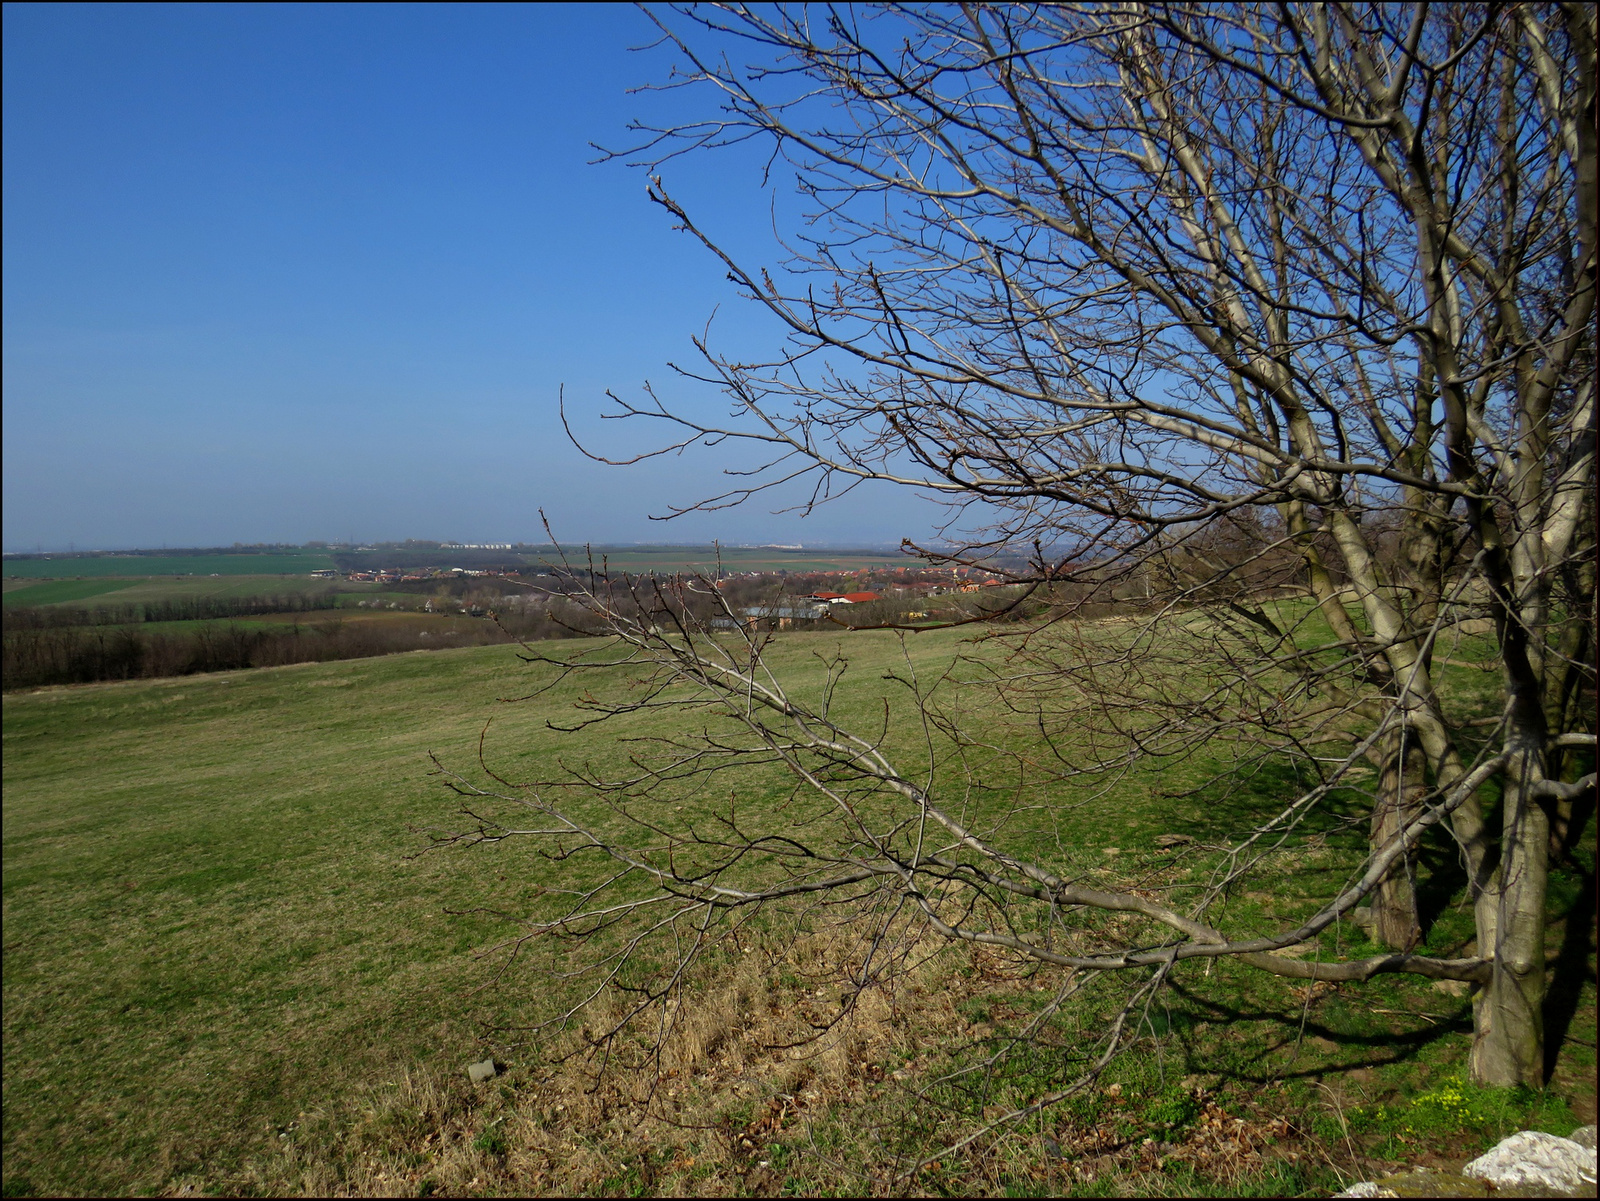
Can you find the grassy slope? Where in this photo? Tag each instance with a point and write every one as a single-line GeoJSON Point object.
{"type": "Point", "coordinates": [210, 922]}
{"type": "Point", "coordinates": [212, 928]}
{"type": "Point", "coordinates": [209, 919]}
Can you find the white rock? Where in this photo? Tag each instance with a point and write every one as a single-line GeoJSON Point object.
{"type": "Point", "coordinates": [1531, 1158]}
{"type": "Point", "coordinates": [1583, 1135]}
{"type": "Point", "coordinates": [1367, 1189]}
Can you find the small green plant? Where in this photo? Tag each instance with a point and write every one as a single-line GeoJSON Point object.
{"type": "Point", "coordinates": [1456, 1107]}
{"type": "Point", "coordinates": [1450, 1107]}
{"type": "Point", "coordinates": [492, 1140]}
{"type": "Point", "coordinates": [1172, 1111]}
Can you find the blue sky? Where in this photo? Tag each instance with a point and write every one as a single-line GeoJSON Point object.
{"type": "Point", "coordinates": [282, 272]}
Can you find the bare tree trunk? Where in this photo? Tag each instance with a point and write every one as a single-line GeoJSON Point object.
{"type": "Point", "coordinates": [1508, 1037]}
{"type": "Point", "coordinates": [1570, 705]}
{"type": "Point", "coordinates": [1401, 788]}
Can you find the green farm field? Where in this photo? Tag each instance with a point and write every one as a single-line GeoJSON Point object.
{"type": "Point", "coordinates": [94, 566]}
{"type": "Point", "coordinates": [27, 591]}
{"type": "Point", "coordinates": [225, 970]}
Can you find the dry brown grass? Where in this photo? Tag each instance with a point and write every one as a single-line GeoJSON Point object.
{"type": "Point", "coordinates": [727, 1104]}
{"type": "Point", "coordinates": [770, 1044]}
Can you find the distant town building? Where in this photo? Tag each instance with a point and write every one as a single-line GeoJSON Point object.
{"type": "Point", "coordinates": [781, 616]}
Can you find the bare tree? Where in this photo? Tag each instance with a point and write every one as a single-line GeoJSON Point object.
{"type": "Point", "coordinates": [1237, 304]}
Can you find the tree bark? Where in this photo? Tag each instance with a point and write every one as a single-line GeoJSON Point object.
{"type": "Point", "coordinates": [1401, 788]}
{"type": "Point", "coordinates": [1508, 1018]}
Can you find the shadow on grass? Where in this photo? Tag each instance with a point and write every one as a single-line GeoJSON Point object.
{"type": "Point", "coordinates": [1384, 1048]}
{"type": "Point", "coordinates": [1340, 820]}
{"type": "Point", "coordinates": [1233, 804]}
{"type": "Point", "coordinates": [1441, 878]}
{"type": "Point", "coordinates": [1573, 969]}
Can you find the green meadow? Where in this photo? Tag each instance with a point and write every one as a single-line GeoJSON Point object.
{"type": "Point", "coordinates": [211, 923]}
{"type": "Point", "coordinates": [221, 945]}
{"type": "Point", "coordinates": [134, 590]}
{"type": "Point", "coordinates": [286, 563]}
{"type": "Point", "coordinates": [25, 591]}
{"type": "Point", "coordinates": [211, 919]}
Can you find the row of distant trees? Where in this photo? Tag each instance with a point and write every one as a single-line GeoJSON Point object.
{"type": "Point", "coordinates": [46, 646]}
{"type": "Point", "coordinates": [41, 617]}
{"type": "Point", "coordinates": [81, 655]}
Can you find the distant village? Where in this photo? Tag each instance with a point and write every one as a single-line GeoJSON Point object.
{"type": "Point", "coordinates": [898, 582]}
{"type": "Point", "coordinates": [751, 599]}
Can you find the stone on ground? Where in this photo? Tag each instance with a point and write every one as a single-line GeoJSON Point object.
{"type": "Point", "coordinates": [1533, 1159]}
{"type": "Point", "coordinates": [1529, 1164]}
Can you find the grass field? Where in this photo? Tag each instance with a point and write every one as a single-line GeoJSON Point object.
{"type": "Point", "coordinates": [217, 928]}
{"type": "Point", "coordinates": [24, 591]}
{"type": "Point", "coordinates": [92, 566]}
{"type": "Point", "coordinates": [223, 971]}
